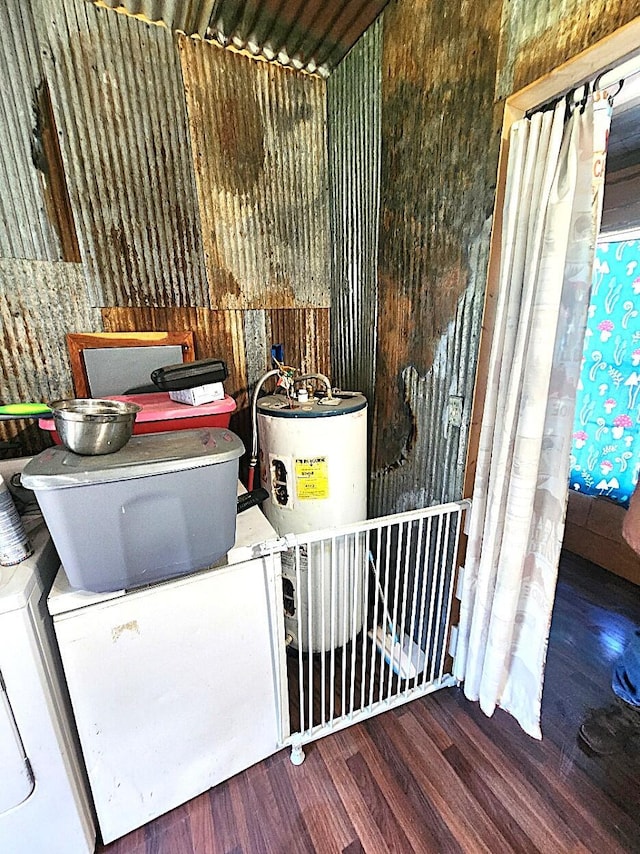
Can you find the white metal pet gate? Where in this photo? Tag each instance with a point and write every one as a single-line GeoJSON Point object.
{"type": "Point", "coordinates": [367, 616]}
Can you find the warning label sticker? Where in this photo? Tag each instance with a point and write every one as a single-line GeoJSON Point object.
{"type": "Point", "coordinates": [312, 478]}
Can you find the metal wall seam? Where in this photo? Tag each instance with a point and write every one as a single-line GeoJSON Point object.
{"type": "Point", "coordinates": [353, 95]}
{"type": "Point", "coordinates": [27, 231]}
{"type": "Point", "coordinates": [119, 104]}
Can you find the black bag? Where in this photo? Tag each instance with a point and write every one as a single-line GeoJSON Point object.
{"type": "Point", "coordinates": [189, 374]}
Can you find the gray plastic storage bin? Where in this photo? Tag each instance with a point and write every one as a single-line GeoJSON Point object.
{"type": "Point", "coordinates": [164, 505]}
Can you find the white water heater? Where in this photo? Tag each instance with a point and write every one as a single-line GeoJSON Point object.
{"type": "Point", "coordinates": [313, 463]}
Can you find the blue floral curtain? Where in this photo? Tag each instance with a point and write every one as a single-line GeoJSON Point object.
{"type": "Point", "coordinates": [605, 455]}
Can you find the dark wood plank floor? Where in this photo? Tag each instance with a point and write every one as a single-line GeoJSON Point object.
{"type": "Point", "coordinates": [437, 775]}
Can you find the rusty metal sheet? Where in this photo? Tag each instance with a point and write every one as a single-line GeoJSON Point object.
{"type": "Point", "coordinates": [538, 37]}
{"type": "Point", "coordinates": [259, 147]}
{"type": "Point", "coordinates": [309, 35]}
{"type": "Point", "coordinates": [119, 104]}
{"type": "Point", "coordinates": [40, 301]}
{"type": "Point", "coordinates": [29, 223]}
{"type": "Point", "coordinates": [354, 101]}
{"type": "Point", "coordinates": [439, 159]}
{"type": "Point", "coordinates": [305, 337]}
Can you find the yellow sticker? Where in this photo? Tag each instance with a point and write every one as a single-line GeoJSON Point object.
{"type": "Point", "coordinates": [312, 478]}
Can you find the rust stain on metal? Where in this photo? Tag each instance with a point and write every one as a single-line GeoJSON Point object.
{"type": "Point", "coordinates": [259, 148]}
{"type": "Point", "coordinates": [26, 205]}
{"type": "Point", "coordinates": [240, 143]}
{"type": "Point", "coordinates": [305, 336]}
{"type": "Point", "coordinates": [438, 172]}
{"type": "Point", "coordinates": [538, 38]}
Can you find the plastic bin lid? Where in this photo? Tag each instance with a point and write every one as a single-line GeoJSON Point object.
{"type": "Point", "coordinates": [159, 407]}
{"type": "Point", "coordinates": [142, 456]}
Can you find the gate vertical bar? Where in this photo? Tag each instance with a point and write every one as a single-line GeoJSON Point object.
{"type": "Point", "coordinates": [417, 576]}
{"type": "Point", "coordinates": [433, 574]}
{"type": "Point", "coordinates": [376, 607]}
{"type": "Point", "coordinates": [451, 576]}
{"type": "Point", "coordinates": [441, 572]}
{"type": "Point", "coordinates": [354, 619]}
{"type": "Point", "coordinates": [365, 632]}
{"type": "Point", "coordinates": [400, 634]}
{"type": "Point", "coordinates": [299, 639]}
{"type": "Point", "coordinates": [323, 657]}
{"type": "Point", "coordinates": [394, 613]}
{"type": "Point", "coordinates": [309, 611]}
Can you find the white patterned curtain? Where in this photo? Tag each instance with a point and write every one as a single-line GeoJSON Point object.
{"type": "Point", "coordinates": [551, 218]}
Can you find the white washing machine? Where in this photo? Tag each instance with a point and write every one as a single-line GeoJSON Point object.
{"type": "Point", "coordinates": [44, 802]}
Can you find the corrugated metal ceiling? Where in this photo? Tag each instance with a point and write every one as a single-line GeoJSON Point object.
{"type": "Point", "coordinates": [309, 35]}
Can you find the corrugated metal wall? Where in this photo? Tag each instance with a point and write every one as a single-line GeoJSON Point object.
{"type": "Point", "coordinates": [259, 143]}
{"type": "Point", "coordinates": [119, 105]}
{"type": "Point", "coordinates": [440, 126]}
{"type": "Point", "coordinates": [311, 35]}
{"type": "Point", "coordinates": [134, 163]}
{"type": "Point", "coordinates": [439, 155]}
{"type": "Point", "coordinates": [41, 297]}
{"type": "Point", "coordinates": [538, 37]}
{"type": "Point", "coordinates": [433, 468]}
{"type": "Point", "coordinates": [127, 170]}
{"type": "Point", "coordinates": [40, 302]}
{"type": "Point", "coordinates": [354, 102]}
{"type": "Point", "coordinates": [27, 231]}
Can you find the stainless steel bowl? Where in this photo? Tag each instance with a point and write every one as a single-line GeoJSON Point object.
{"type": "Point", "coordinates": [94, 426]}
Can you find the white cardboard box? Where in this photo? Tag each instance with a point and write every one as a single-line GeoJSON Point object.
{"type": "Point", "coordinates": [199, 394]}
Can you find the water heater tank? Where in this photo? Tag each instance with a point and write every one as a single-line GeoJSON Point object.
{"type": "Point", "coordinates": [313, 461]}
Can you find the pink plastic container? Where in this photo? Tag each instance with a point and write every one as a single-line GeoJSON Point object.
{"type": "Point", "coordinates": [159, 414]}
